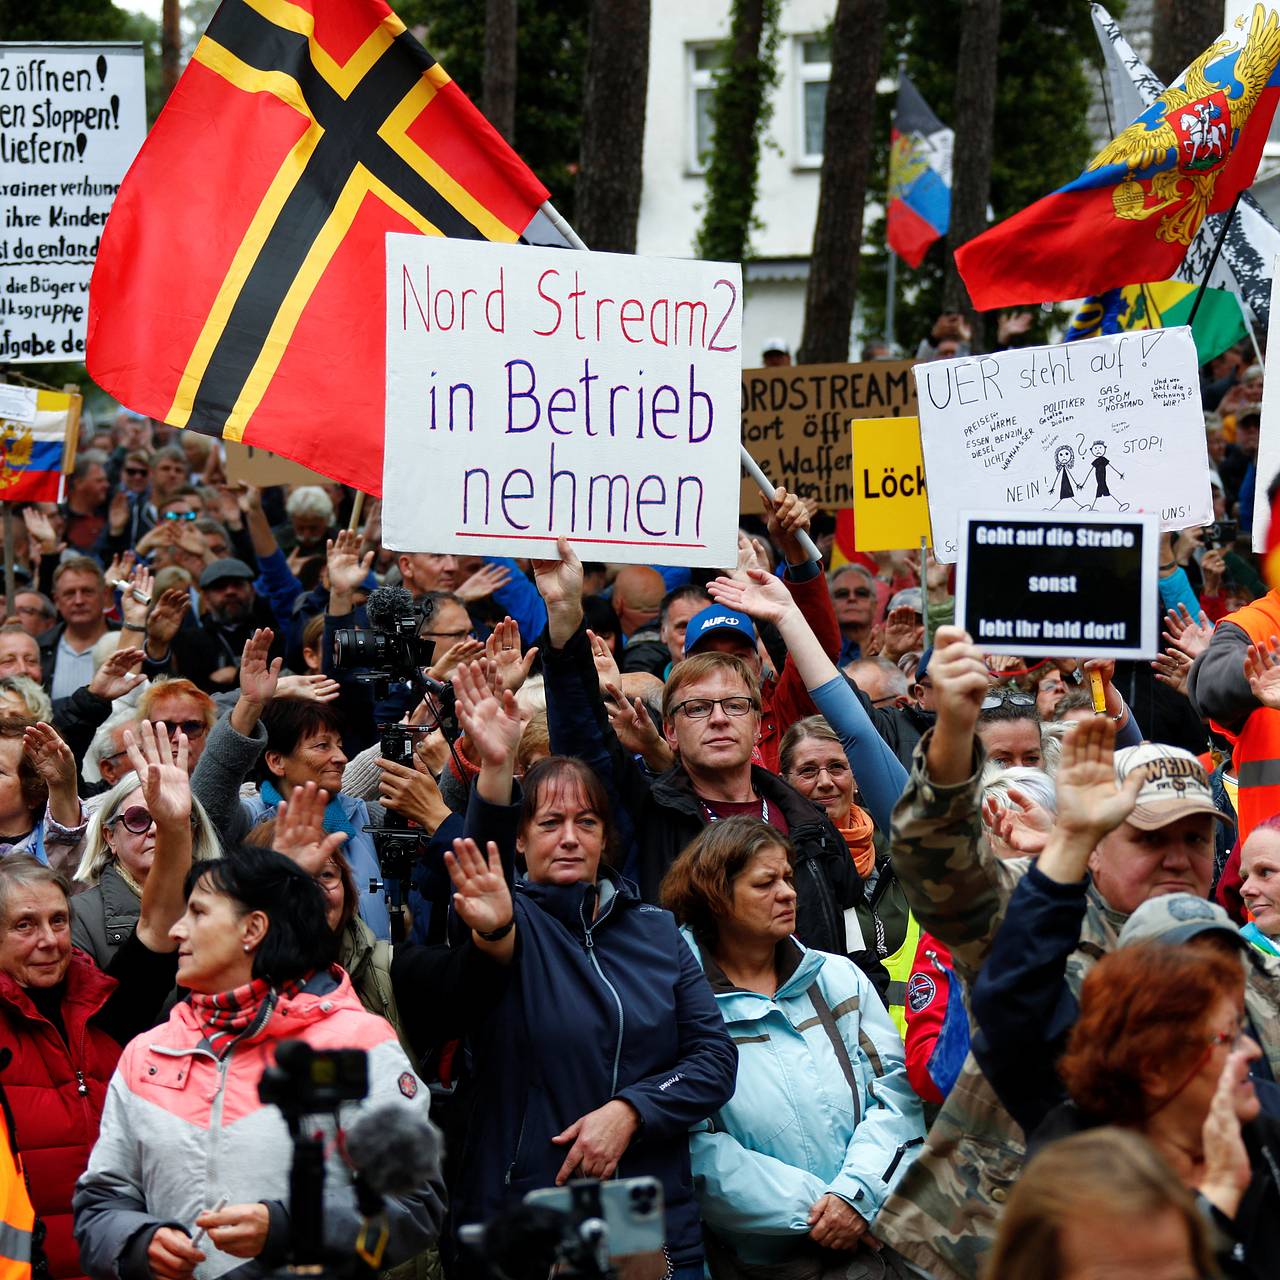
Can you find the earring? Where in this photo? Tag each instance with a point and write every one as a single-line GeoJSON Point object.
{"type": "Point", "coordinates": [246, 946]}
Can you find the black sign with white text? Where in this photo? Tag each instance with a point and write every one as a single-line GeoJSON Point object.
{"type": "Point", "coordinates": [1080, 586]}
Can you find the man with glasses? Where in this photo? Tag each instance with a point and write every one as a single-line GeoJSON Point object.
{"type": "Point", "coordinates": [853, 590]}
{"type": "Point", "coordinates": [35, 611]}
{"type": "Point", "coordinates": [711, 719]}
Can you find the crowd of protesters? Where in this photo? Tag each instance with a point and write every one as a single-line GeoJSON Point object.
{"type": "Point", "coordinates": [884, 956]}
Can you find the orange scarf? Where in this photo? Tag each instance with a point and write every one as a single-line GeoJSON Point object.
{"type": "Point", "coordinates": [857, 835]}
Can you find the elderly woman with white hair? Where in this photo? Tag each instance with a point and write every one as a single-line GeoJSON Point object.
{"type": "Point", "coordinates": [311, 515]}
{"type": "Point", "coordinates": [119, 850]}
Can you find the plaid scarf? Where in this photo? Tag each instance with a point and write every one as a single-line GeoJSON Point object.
{"type": "Point", "coordinates": [230, 1016]}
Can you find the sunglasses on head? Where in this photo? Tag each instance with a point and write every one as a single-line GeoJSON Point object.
{"type": "Point", "coordinates": [1011, 697]}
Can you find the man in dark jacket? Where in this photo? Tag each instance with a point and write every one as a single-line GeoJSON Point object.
{"type": "Point", "coordinates": [208, 651]}
{"type": "Point", "coordinates": [711, 715]}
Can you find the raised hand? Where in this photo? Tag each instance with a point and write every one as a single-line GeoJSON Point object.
{"type": "Point", "coordinates": [348, 569]}
{"type": "Point", "coordinates": [483, 583]}
{"type": "Point", "coordinates": [605, 663]}
{"type": "Point", "coordinates": [1172, 667]}
{"type": "Point", "coordinates": [1262, 671]}
{"type": "Point", "coordinates": [788, 516]}
{"type": "Point", "coordinates": [1091, 803]}
{"type": "Point", "coordinates": [164, 619]}
{"type": "Point", "coordinates": [120, 567]}
{"type": "Point", "coordinates": [492, 724]}
{"type": "Point", "coordinates": [310, 688]}
{"type": "Point", "coordinates": [1227, 1172]}
{"type": "Point", "coordinates": [636, 731]}
{"type": "Point", "coordinates": [559, 582]}
{"type": "Point", "coordinates": [463, 651]}
{"type": "Point", "coordinates": [40, 529]}
{"type": "Point", "coordinates": [300, 832]}
{"type": "Point", "coordinates": [162, 771]}
{"type": "Point", "coordinates": [1023, 826]}
{"type": "Point", "coordinates": [960, 676]}
{"type": "Point", "coordinates": [903, 633]}
{"type": "Point", "coordinates": [118, 512]}
{"type": "Point", "coordinates": [49, 755]}
{"type": "Point", "coordinates": [502, 649]}
{"type": "Point", "coordinates": [482, 897]}
{"type": "Point", "coordinates": [258, 674]}
{"type": "Point", "coordinates": [118, 675]}
{"type": "Point", "coordinates": [1213, 569]}
{"type": "Point", "coordinates": [747, 559]}
{"type": "Point", "coordinates": [762, 595]}
{"type": "Point", "coordinates": [1187, 634]}
{"type": "Point", "coordinates": [135, 600]}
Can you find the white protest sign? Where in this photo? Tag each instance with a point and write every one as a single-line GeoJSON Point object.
{"type": "Point", "coordinates": [1268, 439]}
{"type": "Point", "coordinates": [17, 404]}
{"type": "Point", "coordinates": [538, 392]}
{"type": "Point", "coordinates": [72, 117]}
{"type": "Point", "coordinates": [1107, 425]}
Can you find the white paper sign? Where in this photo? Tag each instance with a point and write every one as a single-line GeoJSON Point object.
{"type": "Point", "coordinates": [1107, 425]}
{"type": "Point", "coordinates": [1268, 439]}
{"type": "Point", "coordinates": [541, 392]}
{"type": "Point", "coordinates": [17, 404]}
{"type": "Point", "coordinates": [72, 117]}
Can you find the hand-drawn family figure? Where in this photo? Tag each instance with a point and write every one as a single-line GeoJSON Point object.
{"type": "Point", "coordinates": [1100, 465]}
{"type": "Point", "coordinates": [1064, 458]}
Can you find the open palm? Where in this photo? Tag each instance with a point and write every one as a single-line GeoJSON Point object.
{"type": "Point", "coordinates": [1262, 670]}
{"type": "Point", "coordinates": [162, 769]}
{"type": "Point", "coordinates": [1089, 798]}
{"type": "Point", "coordinates": [762, 596]}
{"type": "Point", "coordinates": [481, 896]}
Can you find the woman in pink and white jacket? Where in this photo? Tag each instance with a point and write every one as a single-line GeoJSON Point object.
{"type": "Point", "coordinates": [183, 1131]}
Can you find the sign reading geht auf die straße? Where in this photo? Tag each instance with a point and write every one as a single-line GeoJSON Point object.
{"type": "Point", "coordinates": [1108, 424]}
{"type": "Point", "coordinates": [538, 392]}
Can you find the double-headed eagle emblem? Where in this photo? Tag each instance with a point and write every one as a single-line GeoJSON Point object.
{"type": "Point", "coordinates": [16, 444]}
{"type": "Point", "coordinates": [1192, 135]}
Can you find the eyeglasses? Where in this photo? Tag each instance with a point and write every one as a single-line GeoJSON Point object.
{"type": "Point", "coordinates": [136, 819]}
{"type": "Point", "coordinates": [181, 515]}
{"type": "Point", "coordinates": [447, 635]}
{"type": "Point", "coordinates": [136, 471]}
{"type": "Point", "coordinates": [859, 593]}
{"type": "Point", "coordinates": [809, 772]}
{"type": "Point", "coordinates": [701, 708]}
{"type": "Point", "coordinates": [1232, 1037]}
{"type": "Point", "coordinates": [329, 877]}
{"type": "Point", "coordinates": [192, 728]}
{"type": "Point", "coordinates": [1010, 697]}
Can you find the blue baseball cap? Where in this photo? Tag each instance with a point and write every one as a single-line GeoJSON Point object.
{"type": "Point", "coordinates": [714, 618]}
{"type": "Point", "coordinates": [923, 665]}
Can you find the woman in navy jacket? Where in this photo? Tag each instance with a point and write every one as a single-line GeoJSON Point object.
{"type": "Point", "coordinates": [607, 1045]}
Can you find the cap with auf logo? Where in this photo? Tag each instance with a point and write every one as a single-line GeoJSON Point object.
{"type": "Point", "coordinates": [1174, 785]}
{"type": "Point", "coordinates": [717, 618]}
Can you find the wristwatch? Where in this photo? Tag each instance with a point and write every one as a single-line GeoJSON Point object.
{"type": "Point", "coordinates": [496, 935]}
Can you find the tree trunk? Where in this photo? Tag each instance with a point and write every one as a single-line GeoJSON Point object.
{"type": "Point", "coordinates": [734, 165]}
{"type": "Point", "coordinates": [498, 84]}
{"type": "Point", "coordinates": [847, 138]}
{"type": "Point", "coordinates": [1181, 30]}
{"type": "Point", "coordinates": [170, 45]}
{"type": "Point", "coordinates": [974, 116]}
{"type": "Point", "coordinates": [607, 199]}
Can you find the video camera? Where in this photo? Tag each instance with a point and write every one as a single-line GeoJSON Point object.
{"type": "Point", "coordinates": [588, 1230]}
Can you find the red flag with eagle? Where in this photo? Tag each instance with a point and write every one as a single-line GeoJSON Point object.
{"type": "Point", "coordinates": [239, 287]}
{"type": "Point", "coordinates": [1130, 217]}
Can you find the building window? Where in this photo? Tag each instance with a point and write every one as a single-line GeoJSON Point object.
{"type": "Point", "coordinates": [814, 71]}
{"type": "Point", "coordinates": [703, 61]}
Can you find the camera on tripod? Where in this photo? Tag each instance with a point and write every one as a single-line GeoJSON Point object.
{"type": "Point", "coordinates": [588, 1230]}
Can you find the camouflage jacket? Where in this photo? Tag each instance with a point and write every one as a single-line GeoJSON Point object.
{"type": "Point", "coordinates": [943, 1213]}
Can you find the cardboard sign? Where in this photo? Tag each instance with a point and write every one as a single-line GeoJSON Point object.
{"type": "Point", "coordinates": [890, 503]}
{"type": "Point", "coordinates": [1079, 586]}
{"type": "Point", "coordinates": [795, 423]}
{"type": "Point", "coordinates": [1268, 438]}
{"type": "Point", "coordinates": [1108, 425]}
{"type": "Point", "coordinates": [258, 467]}
{"type": "Point", "coordinates": [72, 118]}
{"type": "Point", "coordinates": [533, 393]}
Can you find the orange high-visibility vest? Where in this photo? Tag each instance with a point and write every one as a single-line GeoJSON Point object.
{"type": "Point", "coordinates": [1256, 753]}
{"type": "Point", "coordinates": [17, 1217]}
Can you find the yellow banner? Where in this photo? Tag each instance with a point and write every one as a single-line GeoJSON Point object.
{"type": "Point", "coordinates": [890, 506]}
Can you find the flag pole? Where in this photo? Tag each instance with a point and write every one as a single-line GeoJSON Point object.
{"type": "Point", "coordinates": [891, 300]}
{"type": "Point", "coordinates": [749, 464]}
{"type": "Point", "coordinates": [1247, 316]}
{"type": "Point", "coordinates": [1213, 261]}
{"type": "Point", "coordinates": [9, 583]}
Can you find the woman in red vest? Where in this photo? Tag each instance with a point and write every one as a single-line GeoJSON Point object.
{"type": "Point", "coordinates": [63, 1021]}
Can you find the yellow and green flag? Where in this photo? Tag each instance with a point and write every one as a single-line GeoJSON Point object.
{"type": "Point", "coordinates": [1218, 325]}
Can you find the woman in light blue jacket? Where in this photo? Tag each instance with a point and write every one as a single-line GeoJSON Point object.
{"type": "Point", "coordinates": [822, 1121]}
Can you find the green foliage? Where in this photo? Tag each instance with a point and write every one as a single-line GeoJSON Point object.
{"type": "Point", "coordinates": [740, 113]}
{"type": "Point", "coordinates": [1041, 134]}
{"type": "Point", "coordinates": [551, 54]}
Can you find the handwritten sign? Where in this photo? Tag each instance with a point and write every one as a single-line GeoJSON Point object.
{"type": "Point", "coordinates": [1268, 438]}
{"type": "Point", "coordinates": [795, 423]}
{"type": "Point", "coordinates": [1107, 425]}
{"type": "Point", "coordinates": [1041, 586]}
{"type": "Point", "coordinates": [533, 393]}
{"type": "Point", "coordinates": [72, 118]}
{"type": "Point", "coordinates": [258, 467]}
{"type": "Point", "coordinates": [890, 504]}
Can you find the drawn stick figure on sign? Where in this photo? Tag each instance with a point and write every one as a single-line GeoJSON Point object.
{"type": "Point", "coordinates": [1101, 464]}
{"type": "Point", "coordinates": [1064, 458]}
